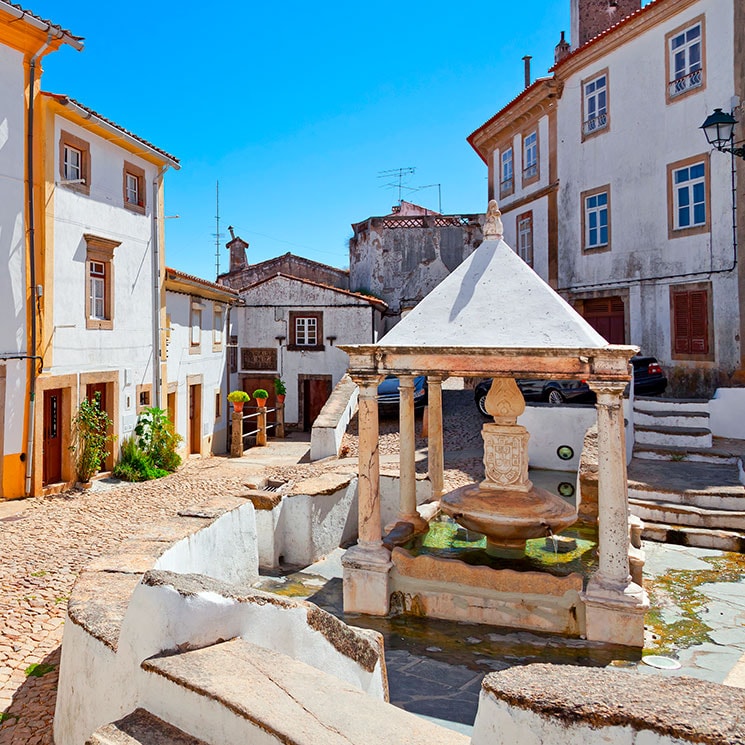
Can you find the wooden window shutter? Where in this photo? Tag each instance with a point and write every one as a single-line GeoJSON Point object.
{"type": "Point", "coordinates": [699, 312]}
{"type": "Point", "coordinates": [681, 324]}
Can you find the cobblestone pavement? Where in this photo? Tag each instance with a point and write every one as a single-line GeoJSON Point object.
{"type": "Point", "coordinates": [44, 547]}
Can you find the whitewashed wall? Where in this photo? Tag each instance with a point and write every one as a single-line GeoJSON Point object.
{"type": "Point", "coordinates": [208, 363]}
{"type": "Point", "coordinates": [129, 346]}
{"type": "Point", "coordinates": [644, 136]}
{"type": "Point", "coordinates": [351, 320]}
{"type": "Point", "coordinates": [12, 245]}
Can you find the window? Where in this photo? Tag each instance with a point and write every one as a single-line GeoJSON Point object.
{"type": "Point", "coordinates": [685, 59]}
{"type": "Point", "coordinates": [134, 188]}
{"type": "Point", "coordinates": [525, 237]}
{"type": "Point", "coordinates": [218, 403]}
{"type": "Point", "coordinates": [595, 104]}
{"type": "Point", "coordinates": [596, 218]}
{"type": "Point", "coordinates": [688, 194]}
{"type": "Point", "coordinates": [99, 282]}
{"type": "Point", "coordinates": [74, 163]}
{"type": "Point", "coordinates": [691, 320]}
{"type": "Point", "coordinates": [306, 331]}
{"type": "Point", "coordinates": [143, 397]}
{"type": "Point", "coordinates": [530, 157]}
{"type": "Point", "coordinates": [233, 354]}
{"type": "Point", "coordinates": [218, 320]}
{"type": "Point", "coordinates": [195, 322]}
{"type": "Point", "coordinates": [506, 179]}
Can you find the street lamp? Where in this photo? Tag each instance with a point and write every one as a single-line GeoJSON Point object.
{"type": "Point", "coordinates": [719, 129]}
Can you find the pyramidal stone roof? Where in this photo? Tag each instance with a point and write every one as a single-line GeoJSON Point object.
{"type": "Point", "coordinates": [494, 300]}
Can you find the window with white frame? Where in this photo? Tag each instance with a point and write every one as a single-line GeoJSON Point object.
{"type": "Point", "coordinates": [132, 193]}
{"type": "Point", "coordinates": [506, 174]}
{"type": "Point", "coordinates": [73, 164]}
{"type": "Point", "coordinates": [195, 322]}
{"type": "Point", "coordinates": [97, 290]}
{"type": "Point", "coordinates": [525, 237]}
{"type": "Point", "coordinates": [530, 155]}
{"type": "Point", "coordinates": [685, 59]}
{"type": "Point", "coordinates": [689, 196]}
{"type": "Point", "coordinates": [595, 98]}
{"type": "Point", "coordinates": [596, 225]}
{"type": "Point", "coordinates": [306, 332]}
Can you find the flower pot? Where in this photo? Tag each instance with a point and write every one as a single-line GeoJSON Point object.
{"type": "Point", "coordinates": [280, 398]}
{"type": "Point", "coordinates": [238, 406]}
{"type": "Point", "coordinates": [260, 402]}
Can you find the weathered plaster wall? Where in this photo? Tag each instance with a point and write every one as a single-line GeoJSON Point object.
{"type": "Point", "coordinates": [12, 264]}
{"type": "Point", "coordinates": [401, 265]}
{"type": "Point", "coordinates": [641, 255]}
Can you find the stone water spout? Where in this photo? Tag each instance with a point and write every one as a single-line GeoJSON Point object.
{"type": "Point", "coordinates": [505, 506]}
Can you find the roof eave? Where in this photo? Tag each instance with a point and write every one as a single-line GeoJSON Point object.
{"type": "Point", "coordinates": [56, 32]}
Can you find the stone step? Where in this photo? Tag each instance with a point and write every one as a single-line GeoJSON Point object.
{"type": "Point", "coordinates": [709, 486]}
{"type": "Point", "coordinates": [259, 695]}
{"type": "Point", "coordinates": [699, 437]}
{"type": "Point", "coordinates": [656, 403]}
{"type": "Point", "coordinates": [688, 454]}
{"type": "Point", "coordinates": [141, 728]}
{"type": "Point", "coordinates": [721, 540]}
{"type": "Point", "coordinates": [671, 418]}
{"type": "Point", "coordinates": [688, 515]}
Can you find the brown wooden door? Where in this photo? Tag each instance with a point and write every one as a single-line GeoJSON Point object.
{"type": "Point", "coordinates": [52, 441]}
{"type": "Point", "coordinates": [195, 418]}
{"type": "Point", "coordinates": [315, 395]}
{"type": "Point", "coordinates": [267, 383]}
{"type": "Point", "coordinates": [606, 316]}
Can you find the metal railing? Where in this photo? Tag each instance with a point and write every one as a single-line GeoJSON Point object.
{"type": "Point", "coordinates": [595, 123]}
{"type": "Point", "coordinates": [240, 435]}
{"type": "Point", "coordinates": [685, 83]}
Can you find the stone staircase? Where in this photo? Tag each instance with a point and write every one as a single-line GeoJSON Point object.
{"type": "Point", "coordinates": [196, 697]}
{"type": "Point", "coordinates": [686, 485]}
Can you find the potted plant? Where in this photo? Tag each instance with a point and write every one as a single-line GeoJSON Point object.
{"type": "Point", "coordinates": [238, 398]}
{"type": "Point", "coordinates": [90, 438]}
{"type": "Point", "coordinates": [280, 389]}
{"type": "Point", "coordinates": [261, 396]}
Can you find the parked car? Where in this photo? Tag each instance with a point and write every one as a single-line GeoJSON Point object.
{"type": "Point", "coordinates": [389, 396]}
{"type": "Point", "coordinates": [649, 380]}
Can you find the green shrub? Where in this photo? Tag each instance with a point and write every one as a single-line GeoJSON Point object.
{"type": "Point", "coordinates": [238, 397]}
{"type": "Point", "coordinates": [136, 465]}
{"type": "Point", "coordinates": [158, 439]}
{"type": "Point", "coordinates": [261, 393]}
{"type": "Point", "coordinates": [90, 428]}
{"type": "Point", "coordinates": [279, 387]}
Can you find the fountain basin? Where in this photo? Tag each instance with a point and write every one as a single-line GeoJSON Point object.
{"type": "Point", "coordinates": [508, 517]}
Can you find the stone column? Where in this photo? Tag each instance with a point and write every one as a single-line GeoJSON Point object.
{"type": "Point", "coordinates": [435, 446]}
{"type": "Point", "coordinates": [407, 456]}
{"type": "Point", "coordinates": [367, 564]}
{"type": "Point", "coordinates": [614, 604]}
{"type": "Point", "coordinates": [261, 426]}
{"type": "Point", "coordinates": [236, 436]}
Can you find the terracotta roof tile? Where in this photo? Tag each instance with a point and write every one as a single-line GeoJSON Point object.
{"type": "Point", "coordinates": [42, 20]}
{"type": "Point", "coordinates": [176, 274]}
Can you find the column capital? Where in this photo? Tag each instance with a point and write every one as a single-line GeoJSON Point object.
{"type": "Point", "coordinates": [610, 390]}
{"type": "Point", "coordinates": [406, 381]}
{"type": "Point", "coordinates": [435, 379]}
{"type": "Point", "coordinates": [368, 384]}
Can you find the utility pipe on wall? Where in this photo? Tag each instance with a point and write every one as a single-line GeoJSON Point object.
{"type": "Point", "coordinates": [157, 181]}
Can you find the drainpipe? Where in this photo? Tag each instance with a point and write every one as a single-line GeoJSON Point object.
{"type": "Point", "coordinates": [157, 181]}
{"type": "Point", "coordinates": [34, 295]}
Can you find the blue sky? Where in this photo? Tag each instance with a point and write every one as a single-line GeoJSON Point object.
{"type": "Point", "coordinates": [296, 108]}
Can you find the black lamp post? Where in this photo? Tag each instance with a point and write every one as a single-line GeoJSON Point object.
{"type": "Point", "coordinates": [719, 129]}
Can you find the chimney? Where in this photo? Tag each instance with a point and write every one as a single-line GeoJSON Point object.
{"type": "Point", "coordinates": [526, 60]}
{"type": "Point", "coordinates": [561, 49]}
{"type": "Point", "coordinates": [237, 247]}
{"type": "Point", "coordinates": [592, 17]}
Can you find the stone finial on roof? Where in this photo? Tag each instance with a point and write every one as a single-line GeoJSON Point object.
{"type": "Point", "coordinates": [493, 228]}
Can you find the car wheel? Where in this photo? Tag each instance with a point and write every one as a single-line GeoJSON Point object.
{"type": "Point", "coordinates": [481, 403]}
{"type": "Point", "coordinates": [555, 397]}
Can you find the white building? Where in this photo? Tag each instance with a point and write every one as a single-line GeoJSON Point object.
{"type": "Point", "coordinates": [101, 303]}
{"type": "Point", "coordinates": [291, 328]}
{"type": "Point", "coordinates": [197, 383]}
{"type": "Point", "coordinates": [24, 40]}
{"type": "Point", "coordinates": [639, 212]}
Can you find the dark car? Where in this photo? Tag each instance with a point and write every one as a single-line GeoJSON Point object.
{"type": "Point", "coordinates": [389, 396]}
{"type": "Point", "coordinates": [649, 380]}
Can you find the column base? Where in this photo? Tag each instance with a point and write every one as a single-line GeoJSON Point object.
{"type": "Point", "coordinates": [366, 569]}
{"type": "Point", "coordinates": [615, 615]}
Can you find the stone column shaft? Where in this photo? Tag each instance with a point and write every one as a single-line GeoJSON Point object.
{"type": "Point", "coordinates": [407, 451]}
{"type": "Point", "coordinates": [613, 508]}
{"type": "Point", "coordinates": [435, 446]}
{"type": "Point", "coordinates": [369, 465]}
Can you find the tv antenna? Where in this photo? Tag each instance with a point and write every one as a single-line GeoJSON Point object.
{"type": "Point", "coordinates": [218, 236]}
{"type": "Point", "coordinates": [439, 194]}
{"type": "Point", "coordinates": [396, 177]}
